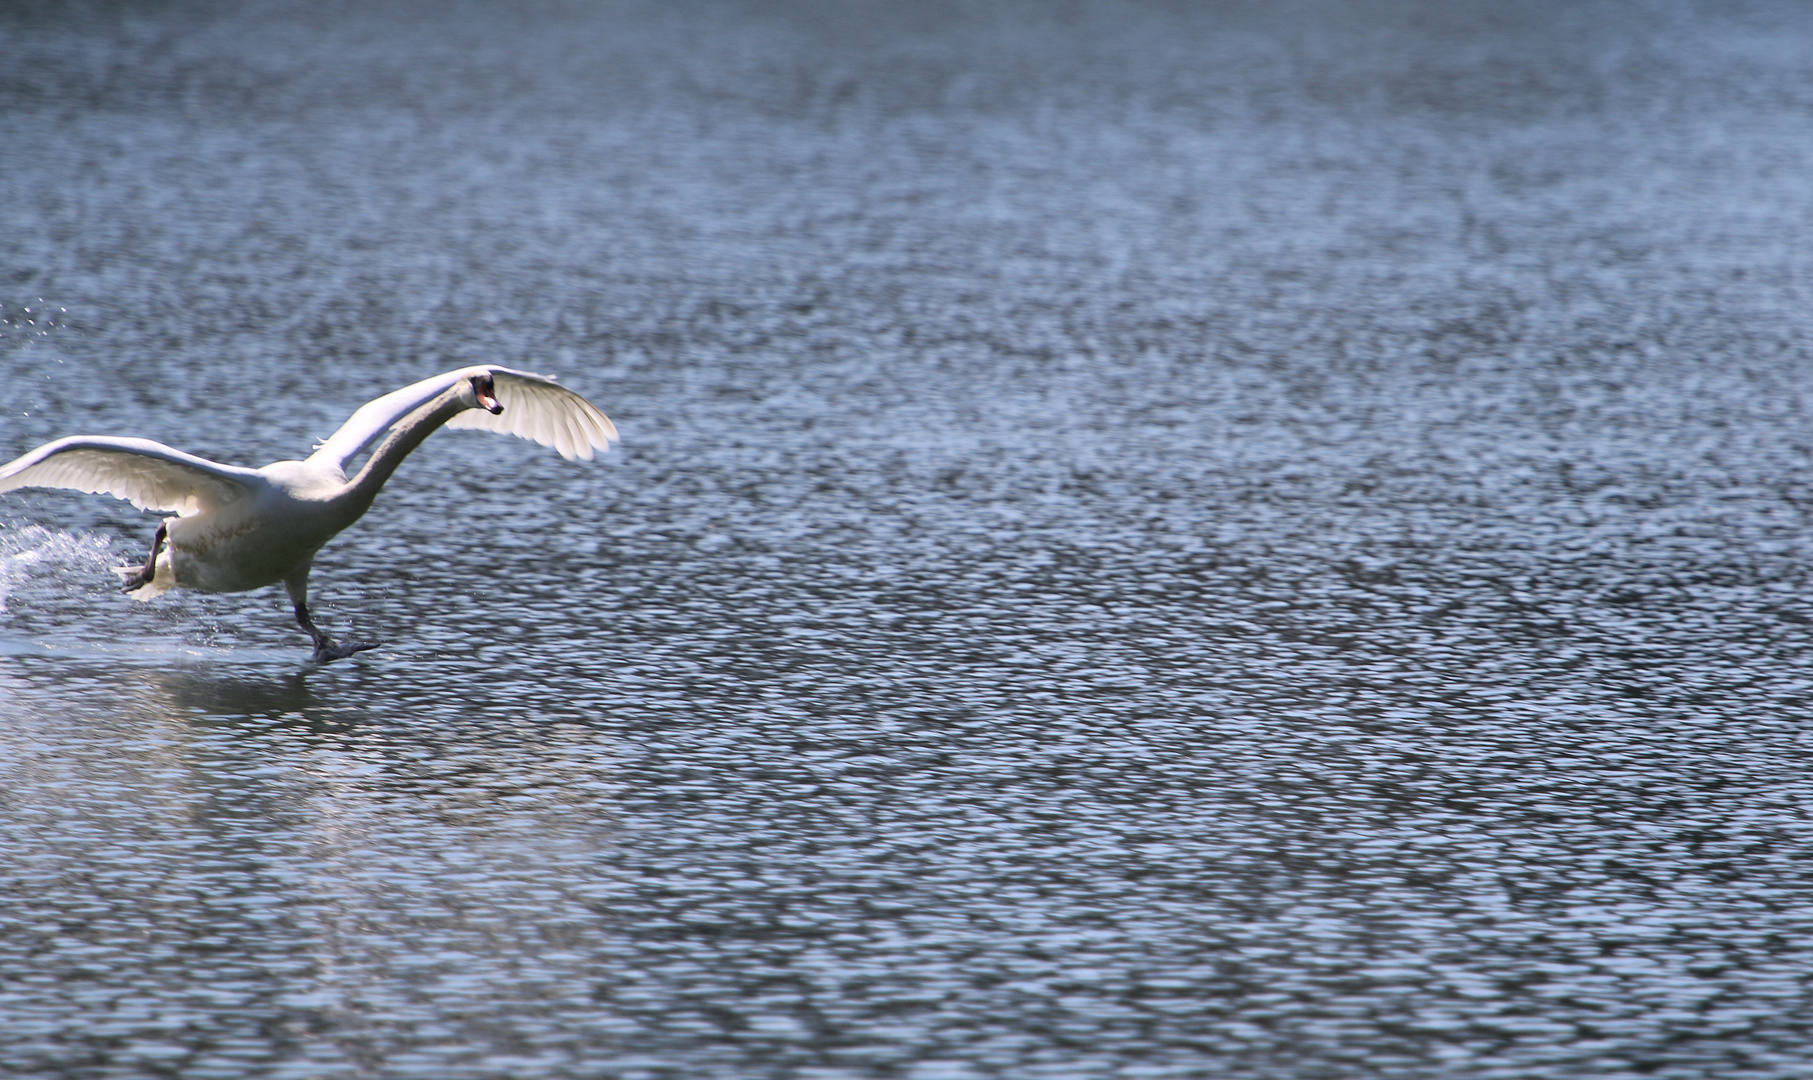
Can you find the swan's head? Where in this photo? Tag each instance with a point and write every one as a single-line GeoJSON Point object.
{"type": "Point", "coordinates": [484, 394]}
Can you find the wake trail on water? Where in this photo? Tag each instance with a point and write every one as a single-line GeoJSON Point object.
{"type": "Point", "coordinates": [57, 597]}
{"type": "Point", "coordinates": [37, 556]}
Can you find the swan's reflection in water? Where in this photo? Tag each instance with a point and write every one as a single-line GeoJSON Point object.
{"type": "Point", "coordinates": [231, 695]}
{"type": "Point", "coordinates": [311, 865]}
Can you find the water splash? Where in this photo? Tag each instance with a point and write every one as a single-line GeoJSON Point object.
{"type": "Point", "coordinates": [33, 320]}
{"type": "Point", "coordinates": [58, 594]}
{"type": "Point", "coordinates": [35, 554]}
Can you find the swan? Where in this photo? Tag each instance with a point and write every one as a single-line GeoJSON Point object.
{"type": "Point", "coordinates": [237, 528]}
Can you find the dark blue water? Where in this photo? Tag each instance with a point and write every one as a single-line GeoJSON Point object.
{"type": "Point", "coordinates": [1199, 541]}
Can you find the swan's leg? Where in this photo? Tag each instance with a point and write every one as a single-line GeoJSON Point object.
{"type": "Point", "coordinates": [141, 578]}
{"type": "Point", "coordinates": [326, 649]}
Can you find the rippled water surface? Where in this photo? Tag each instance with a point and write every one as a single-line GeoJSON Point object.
{"type": "Point", "coordinates": [1201, 541]}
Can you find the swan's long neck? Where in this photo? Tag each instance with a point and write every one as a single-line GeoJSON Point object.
{"type": "Point", "coordinates": [404, 437]}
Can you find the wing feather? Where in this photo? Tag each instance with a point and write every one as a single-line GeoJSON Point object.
{"type": "Point", "coordinates": [541, 410]}
{"type": "Point", "coordinates": [149, 475]}
{"type": "Point", "coordinates": [570, 439]}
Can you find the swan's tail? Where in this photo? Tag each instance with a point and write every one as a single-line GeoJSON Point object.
{"type": "Point", "coordinates": [163, 577]}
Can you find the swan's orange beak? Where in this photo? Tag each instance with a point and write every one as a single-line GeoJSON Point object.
{"type": "Point", "coordinates": [488, 402]}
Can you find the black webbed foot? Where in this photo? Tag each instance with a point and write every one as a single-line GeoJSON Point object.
{"type": "Point", "coordinates": [328, 650]}
{"type": "Point", "coordinates": [141, 577]}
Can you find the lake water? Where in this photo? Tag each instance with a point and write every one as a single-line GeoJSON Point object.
{"type": "Point", "coordinates": [1150, 541]}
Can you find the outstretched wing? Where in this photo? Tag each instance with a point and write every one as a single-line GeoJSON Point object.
{"type": "Point", "coordinates": [538, 408]}
{"type": "Point", "coordinates": [149, 475]}
{"type": "Point", "coordinates": [535, 407]}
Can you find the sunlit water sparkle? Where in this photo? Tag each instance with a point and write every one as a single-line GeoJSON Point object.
{"type": "Point", "coordinates": [1148, 542]}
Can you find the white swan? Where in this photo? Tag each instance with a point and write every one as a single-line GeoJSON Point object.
{"type": "Point", "coordinates": [239, 529]}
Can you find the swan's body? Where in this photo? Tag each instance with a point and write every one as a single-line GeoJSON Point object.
{"type": "Point", "coordinates": [239, 528]}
